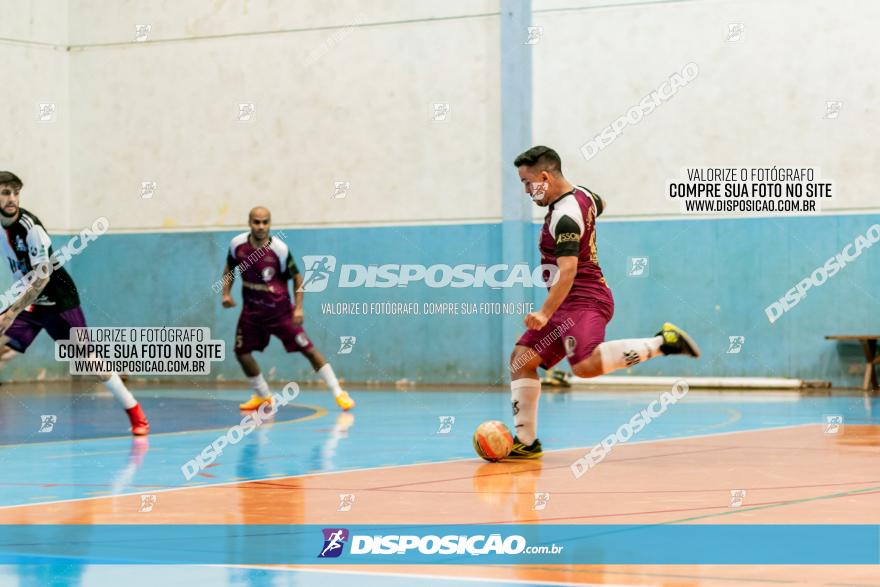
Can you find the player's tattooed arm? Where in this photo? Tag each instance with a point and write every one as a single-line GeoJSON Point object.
{"type": "Point", "coordinates": [228, 278]}
{"type": "Point", "coordinates": [30, 295]}
{"type": "Point", "coordinates": [35, 281]}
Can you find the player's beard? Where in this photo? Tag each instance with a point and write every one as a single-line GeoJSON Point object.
{"type": "Point", "coordinates": [6, 214]}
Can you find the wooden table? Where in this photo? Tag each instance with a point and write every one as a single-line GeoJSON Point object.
{"type": "Point", "coordinates": [869, 346]}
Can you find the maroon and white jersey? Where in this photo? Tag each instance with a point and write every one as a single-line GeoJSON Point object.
{"type": "Point", "coordinates": [264, 272]}
{"type": "Point", "coordinates": [570, 230]}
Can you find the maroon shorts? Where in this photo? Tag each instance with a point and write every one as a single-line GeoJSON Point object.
{"type": "Point", "coordinates": [253, 333]}
{"type": "Point", "coordinates": [28, 324]}
{"type": "Point", "coordinates": [569, 333]}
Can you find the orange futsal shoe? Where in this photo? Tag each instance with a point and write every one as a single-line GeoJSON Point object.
{"type": "Point", "coordinates": [255, 402]}
{"type": "Point", "coordinates": [344, 401]}
{"type": "Point", "coordinates": [139, 424]}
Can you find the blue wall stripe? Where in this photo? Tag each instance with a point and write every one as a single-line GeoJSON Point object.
{"type": "Point", "coordinates": [712, 277]}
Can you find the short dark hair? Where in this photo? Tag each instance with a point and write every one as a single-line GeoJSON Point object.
{"type": "Point", "coordinates": [9, 178]}
{"type": "Point", "coordinates": [541, 156]}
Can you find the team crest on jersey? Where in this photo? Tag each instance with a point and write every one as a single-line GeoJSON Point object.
{"type": "Point", "coordinates": [268, 273]}
{"type": "Point", "coordinates": [20, 244]}
{"type": "Point", "coordinates": [570, 346]}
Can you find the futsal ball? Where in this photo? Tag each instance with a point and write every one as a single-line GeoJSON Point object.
{"type": "Point", "coordinates": [493, 440]}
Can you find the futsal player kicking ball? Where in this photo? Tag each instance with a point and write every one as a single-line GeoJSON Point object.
{"type": "Point", "coordinates": [266, 265]}
{"type": "Point", "coordinates": [571, 323]}
{"type": "Point", "coordinates": [50, 302]}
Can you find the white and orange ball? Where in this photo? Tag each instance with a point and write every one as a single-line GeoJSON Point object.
{"type": "Point", "coordinates": [493, 441]}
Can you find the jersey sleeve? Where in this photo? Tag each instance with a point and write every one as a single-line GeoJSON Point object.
{"type": "Point", "coordinates": [231, 261]}
{"type": "Point", "coordinates": [598, 202]}
{"type": "Point", "coordinates": [567, 236]}
{"type": "Point", "coordinates": [38, 244]}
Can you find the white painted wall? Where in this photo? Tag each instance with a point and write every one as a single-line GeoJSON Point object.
{"type": "Point", "coordinates": [99, 21]}
{"type": "Point", "coordinates": [35, 66]}
{"type": "Point", "coordinates": [353, 104]}
{"type": "Point", "coordinates": [34, 21]}
{"type": "Point", "coordinates": [757, 102]}
{"type": "Point", "coordinates": [357, 110]}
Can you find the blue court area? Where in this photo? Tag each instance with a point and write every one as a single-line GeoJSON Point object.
{"type": "Point", "coordinates": [150, 576]}
{"type": "Point", "coordinates": [89, 454]}
{"type": "Point", "coordinates": [88, 415]}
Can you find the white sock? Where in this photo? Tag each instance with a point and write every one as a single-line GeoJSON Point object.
{"type": "Point", "coordinates": [524, 394]}
{"type": "Point", "coordinates": [617, 354]}
{"type": "Point", "coordinates": [329, 377]}
{"type": "Point", "coordinates": [120, 392]}
{"type": "Point", "coordinates": [258, 383]}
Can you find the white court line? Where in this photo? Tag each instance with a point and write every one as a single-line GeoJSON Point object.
{"type": "Point", "coordinates": [385, 467]}
{"type": "Point", "coordinates": [451, 578]}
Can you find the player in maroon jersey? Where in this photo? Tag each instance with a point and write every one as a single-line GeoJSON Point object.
{"type": "Point", "coordinates": [266, 265]}
{"type": "Point", "coordinates": [571, 322]}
